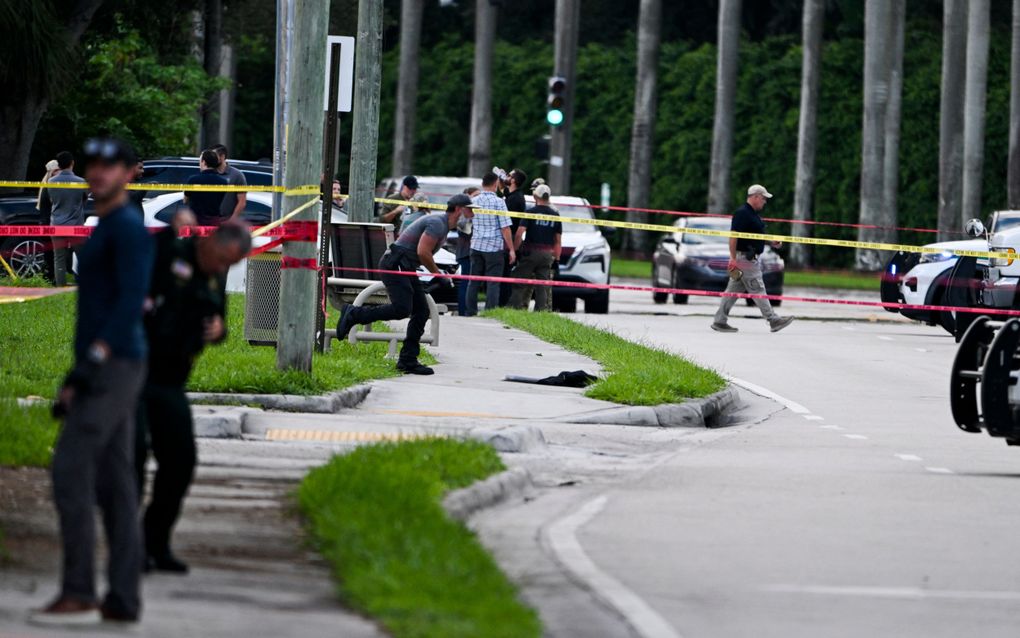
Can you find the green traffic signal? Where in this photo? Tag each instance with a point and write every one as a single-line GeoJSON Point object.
{"type": "Point", "coordinates": [554, 117]}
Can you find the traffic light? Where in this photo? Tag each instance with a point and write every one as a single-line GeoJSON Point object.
{"type": "Point", "coordinates": [557, 100]}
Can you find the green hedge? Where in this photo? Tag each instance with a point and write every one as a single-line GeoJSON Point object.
{"type": "Point", "coordinates": [766, 137]}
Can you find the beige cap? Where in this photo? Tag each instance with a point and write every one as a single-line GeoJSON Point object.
{"type": "Point", "coordinates": [758, 189]}
{"type": "Point", "coordinates": [542, 192]}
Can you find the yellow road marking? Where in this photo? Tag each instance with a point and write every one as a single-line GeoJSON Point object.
{"type": "Point", "coordinates": [330, 436]}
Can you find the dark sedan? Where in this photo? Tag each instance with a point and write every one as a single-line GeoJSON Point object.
{"type": "Point", "coordinates": [27, 256]}
{"type": "Point", "coordinates": [698, 262]}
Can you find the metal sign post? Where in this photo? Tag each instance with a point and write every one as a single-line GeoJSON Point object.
{"type": "Point", "coordinates": [339, 91]}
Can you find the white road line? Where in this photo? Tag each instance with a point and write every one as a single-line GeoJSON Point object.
{"type": "Point", "coordinates": [793, 406]}
{"type": "Point", "coordinates": [859, 437]}
{"type": "Point", "coordinates": [830, 427]}
{"type": "Point", "coordinates": [849, 328]}
{"type": "Point", "coordinates": [814, 417]}
{"type": "Point", "coordinates": [562, 539]}
{"type": "Point", "coordinates": [885, 338]}
{"type": "Point", "coordinates": [914, 593]}
{"type": "Point", "coordinates": [907, 457]}
{"type": "Point", "coordinates": [922, 349]}
{"type": "Point", "coordinates": [939, 470]}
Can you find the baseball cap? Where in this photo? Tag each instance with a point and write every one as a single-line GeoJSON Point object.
{"type": "Point", "coordinates": [411, 182]}
{"type": "Point", "coordinates": [109, 150]}
{"type": "Point", "coordinates": [459, 199]}
{"type": "Point", "coordinates": [542, 191]}
{"type": "Point", "coordinates": [758, 189]}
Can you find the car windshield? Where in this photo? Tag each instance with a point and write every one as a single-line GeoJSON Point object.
{"type": "Point", "coordinates": [690, 238]}
{"type": "Point", "coordinates": [1002, 222]}
{"type": "Point", "coordinates": [576, 212]}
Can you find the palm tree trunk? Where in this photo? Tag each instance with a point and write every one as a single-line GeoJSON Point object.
{"type": "Point", "coordinates": [719, 195]}
{"type": "Point", "coordinates": [407, 86]}
{"type": "Point", "coordinates": [1013, 180]}
{"type": "Point", "coordinates": [974, 107]}
{"type": "Point", "coordinates": [212, 53]}
{"type": "Point", "coordinates": [642, 135]}
{"type": "Point", "coordinates": [807, 128]}
{"type": "Point", "coordinates": [876, 96]}
{"type": "Point", "coordinates": [954, 71]}
{"type": "Point", "coordinates": [891, 158]}
{"type": "Point", "coordinates": [480, 144]}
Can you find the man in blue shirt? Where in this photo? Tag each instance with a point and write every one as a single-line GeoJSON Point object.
{"type": "Point", "coordinates": [93, 462]}
{"type": "Point", "coordinates": [207, 205]}
{"type": "Point", "coordinates": [744, 268]}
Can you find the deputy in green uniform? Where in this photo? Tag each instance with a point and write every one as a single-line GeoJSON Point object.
{"type": "Point", "coordinates": [186, 310]}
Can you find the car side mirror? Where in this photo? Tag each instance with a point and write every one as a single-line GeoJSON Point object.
{"type": "Point", "coordinates": [975, 228]}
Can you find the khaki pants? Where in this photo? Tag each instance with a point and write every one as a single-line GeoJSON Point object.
{"type": "Point", "coordinates": [752, 282]}
{"type": "Point", "coordinates": [535, 264]}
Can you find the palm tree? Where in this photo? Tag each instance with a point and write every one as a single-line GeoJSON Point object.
{"type": "Point", "coordinates": [407, 86]}
{"type": "Point", "coordinates": [480, 144]}
{"type": "Point", "coordinates": [974, 106]}
{"type": "Point", "coordinates": [876, 93]}
{"type": "Point", "coordinates": [1014, 113]}
{"type": "Point", "coordinates": [643, 129]}
{"type": "Point", "coordinates": [891, 157]}
{"type": "Point", "coordinates": [813, 21]}
{"type": "Point", "coordinates": [725, 93]}
{"type": "Point", "coordinates": [954, 70]}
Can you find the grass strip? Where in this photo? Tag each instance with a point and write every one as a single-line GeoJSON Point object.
{"type": "Point", "coordinates": [375, 514]}
{"type": "Point", "coordinates": [635, 374]}
{"type": "Point", "coordinates": [832, 279]}
{"type": "Point", "coordinates": [27, 434]}
{"type": "Point", "coordinates": [35, 353]}
{"type": "Point", "coordinates": [630, 268]}
{"type": "Point", "coordinates": [36, 281]}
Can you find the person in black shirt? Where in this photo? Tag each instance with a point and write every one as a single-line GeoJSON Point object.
{"type": "Point", "coordinates": [92, 458]}
{"type": "Point", "coordinates": [515, 202]}
{"type": "Point", "coordinates": [187, 309]}
{"type": "Point", "coordinates": [538, 244]}
{"type": "Point", "coordinates": [206, 204]}
{"type": "Point", "coordinates": [744, 268]}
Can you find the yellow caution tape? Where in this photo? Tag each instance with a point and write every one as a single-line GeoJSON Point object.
{"type": "Point", "coordinates": [262, 230]}
{"type": "Point", "coordinates": [815, 241]}
{"type": "Point", "coordinates": [308, 189]}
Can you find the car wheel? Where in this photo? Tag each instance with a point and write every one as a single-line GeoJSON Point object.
{"type": "Point", "coordinates": [26, 257]}
{"type": "Point", "coordinates": [597, 305]}
{"type": "Point", "coordinates": [679, 299]}
{"type": "Point", "coordinates": [564, 304]}
{"type": "Point", "coordinates": [660, 297]}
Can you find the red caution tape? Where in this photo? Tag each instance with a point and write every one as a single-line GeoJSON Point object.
{"type": "Point", "coordinates": [702, 293]}
{"type": "Point", "coordinates": [287, 263]}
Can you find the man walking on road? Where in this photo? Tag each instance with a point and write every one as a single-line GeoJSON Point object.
{"type": "Point", "coordinates": [93, 459]}
{"type": "Point", "coordinates": [538, 243]}
{"type": "Point", "coordinates": [187, 309]}
{"type": "Point", "coordinates": [391, 213]}
{"type": "Point", "coordinates": [490, 240]}
{"type": "Point", "coordinates": [65, 207]}
{"type": "Point", "coordinates": [414, 248]}
{"type": "Point", "coordinates": [744, 267]}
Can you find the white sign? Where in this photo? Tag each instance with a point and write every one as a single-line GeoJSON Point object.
{"type": "Point", "coordinates": [605, 196]}
{"type": "Point", "coordinates": [346, 93]}
{"type": "Point", "coordinates": [556, 160]}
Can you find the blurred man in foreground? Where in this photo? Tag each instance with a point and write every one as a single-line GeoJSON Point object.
{"type": "Point", "coordinates": [93, 459]}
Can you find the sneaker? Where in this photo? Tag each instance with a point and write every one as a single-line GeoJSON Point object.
{"type": "Point", "coordinates": [781, 323]}
{"type": "Point", "coordinates": [112, 615]}
{"type": "Point", "coordinates": [66, 612]}
{"type": "Point", "coordinates": [346, 322]}
{"type": "Point", "coordinates": [723, 327]}
{"type": "Point", "coordinates": [415, 368]}
{"type": "Point", "coordinates": [165, 563]}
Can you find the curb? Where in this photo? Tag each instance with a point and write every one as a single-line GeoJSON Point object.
{"type": "Point", "coordinates": [330, 403]}
{"type": "Point", "coordinates": [512, 438]}
{"type": "Point", "coordinates": [219, 423]}
{"type": "Point", "coordinates": [709, 412]}
{"type": "Point", "coordinates": [511, 484]}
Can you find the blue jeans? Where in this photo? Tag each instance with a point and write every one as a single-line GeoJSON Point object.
{"type": "Point", "coordinates": [462, 284]}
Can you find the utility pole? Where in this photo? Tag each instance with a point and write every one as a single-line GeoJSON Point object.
{"type": "Point", "coordinates": [813, 21]}
{"type": "Point", "coordinates": [720, 196]}
{"type": "Point", "coordinates": [298, 269]}
{"type": "Point", "coordinates": [212, 50]}
{"type": "Point", "coordinates": [365, 134]}
{"type": "Point", "coordinates": [407, 86]}
{"type": "Point", "coordinates": [568, 17]}
{"type": "Point", "coordinates": [974, 101]}
{"type": "Point", "coordinates": [480, 142]}
{"type": "Point", "coordinates": [954, 73]}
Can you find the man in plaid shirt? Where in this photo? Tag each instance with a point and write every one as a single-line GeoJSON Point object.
{"type": "Point", "coordinates": [490, 242]}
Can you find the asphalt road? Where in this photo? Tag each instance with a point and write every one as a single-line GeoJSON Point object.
{"type": "Point", "coordinates": [859, 510]}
